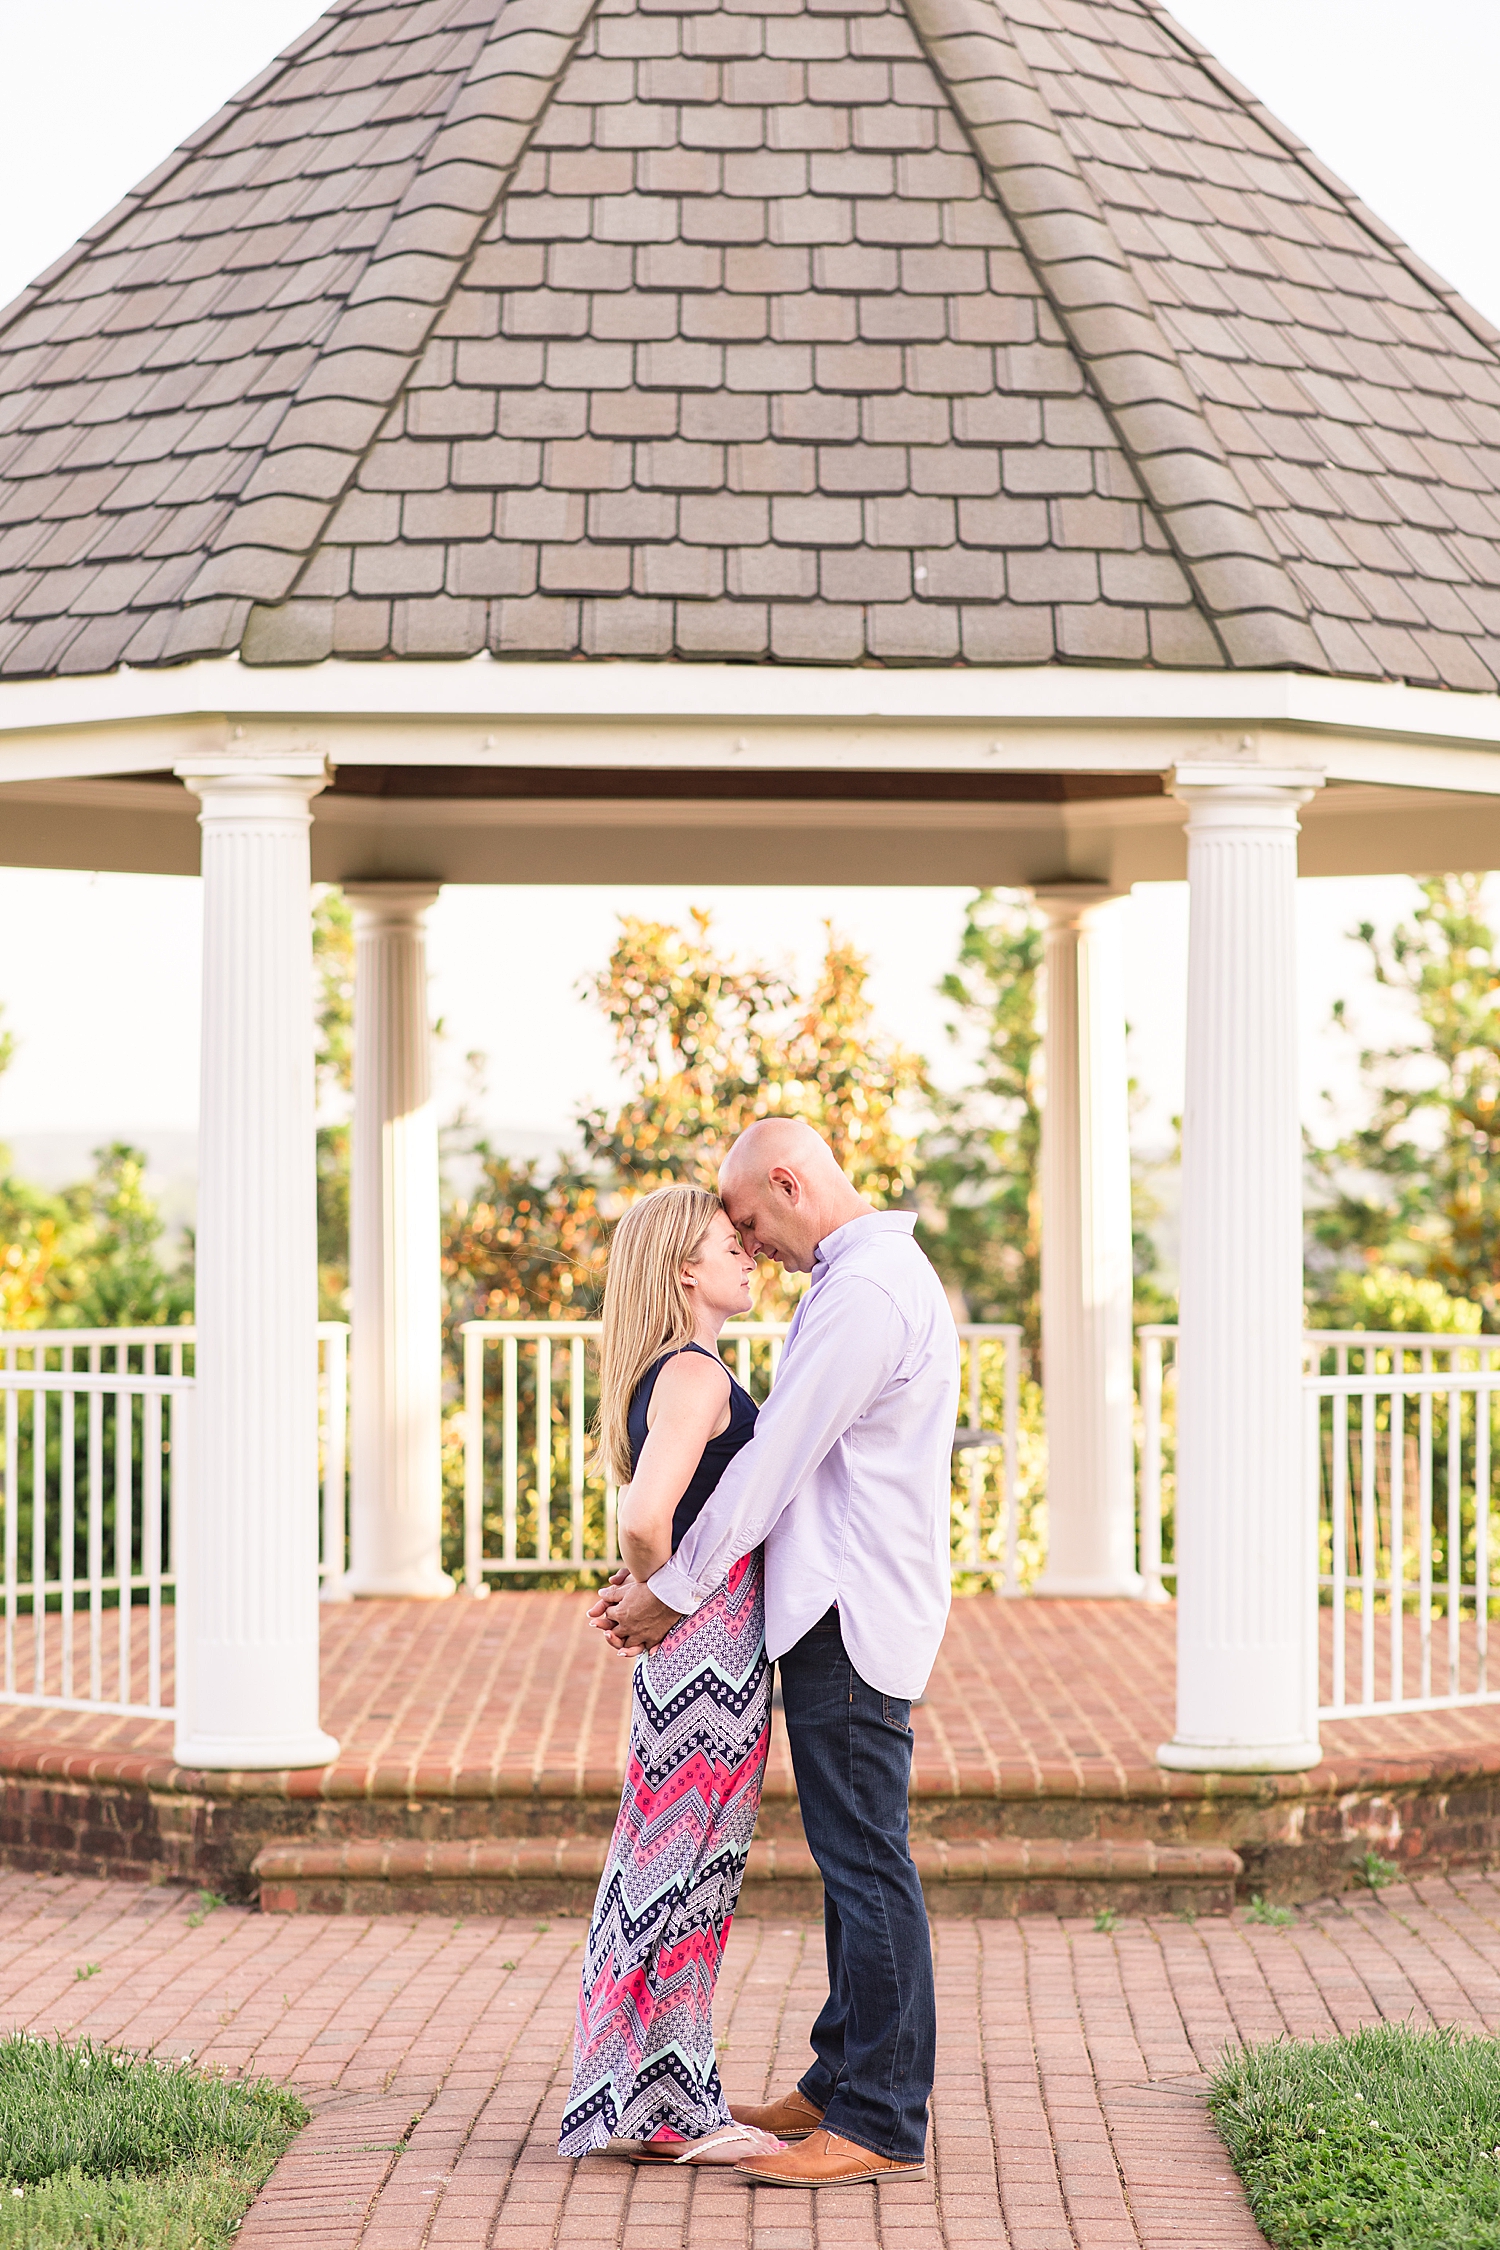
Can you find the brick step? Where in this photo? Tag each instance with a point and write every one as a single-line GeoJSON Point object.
{"type": "Point", "coordinates": [1016, 1836]}
{"type": "Point", "coordinates": [1000, 1875]}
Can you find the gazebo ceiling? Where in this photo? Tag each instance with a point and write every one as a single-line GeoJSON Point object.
{"type": "Point", "coordinates": [904, 331]}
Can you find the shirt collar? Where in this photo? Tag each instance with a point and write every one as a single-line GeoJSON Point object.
{"type": "Point", "coordinates": [853, 1231]}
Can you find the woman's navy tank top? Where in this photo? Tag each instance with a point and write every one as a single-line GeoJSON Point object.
{"type": "Point", "coordinates": [717, 1454]}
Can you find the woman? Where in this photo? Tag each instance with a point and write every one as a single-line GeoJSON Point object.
{"type": "Point", "coordinates": [671, 1418]}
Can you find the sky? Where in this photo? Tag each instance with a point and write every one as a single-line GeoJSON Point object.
{"type": "Point", "coordinates": [99, 974]}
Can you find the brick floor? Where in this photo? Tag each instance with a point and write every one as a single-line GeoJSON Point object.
{"type": "Point", "coordinates": [1068, 2110]}
{"type": "Point", "coordinates": [518, 1694]}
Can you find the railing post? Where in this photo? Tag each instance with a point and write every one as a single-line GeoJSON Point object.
{"type": "Point", "coordinates": [474, 1578]}
{"type": "Point", "coordinates": [183, 1500]}
{"type": "Point", "coordinates": [335, 1389]}
{"type": "Point", "coordinates": [1152, 1589]}
{"type": "Point", "coordinates": [510, 1443]}
{"type": "Point", "coordinates": [973, 1465]}
{"type": "Point", "coordinates": [1483, 1402]}
{"type": "Point", "coordinates": [576, 1373]}
{"type": "Point", "coordinates": [543, 1449]}
{"type": "Point", "coordinates": [1312, 1471]}
{"type": "Point", "coordinates": [1338, 1503]}
{"type": "Point", "coordinates": [1011, 1428]}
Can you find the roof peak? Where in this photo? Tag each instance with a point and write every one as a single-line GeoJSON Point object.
{"type": "Point", "coordinates": [895, 330]}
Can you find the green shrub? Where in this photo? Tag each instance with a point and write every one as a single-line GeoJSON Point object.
{"type": "Point", "coordinates": [198, 2209]}
{"type": "Point", "coordinates": [104, 2149]}
{"type": "Point", "coordinates": [1388, 2139]}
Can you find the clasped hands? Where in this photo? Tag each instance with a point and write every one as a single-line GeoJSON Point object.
{"type": "Point", "coordinates": [629, 1615]}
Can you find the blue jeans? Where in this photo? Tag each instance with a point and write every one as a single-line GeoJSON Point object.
{"type": "Point", "coordinates": [876, 2037]}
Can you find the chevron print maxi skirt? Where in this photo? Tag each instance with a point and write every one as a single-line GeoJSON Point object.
{"type": "Point", "coordinates": [700, 1725]}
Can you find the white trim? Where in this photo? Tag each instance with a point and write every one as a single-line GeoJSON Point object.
{"type": "Point", "coordinates": [480, 711]}
{"type": "Point", "coordinates": [480, 687]}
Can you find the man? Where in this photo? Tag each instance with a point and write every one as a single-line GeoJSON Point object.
{"type": "Point", "coordinates": [847, 1484]}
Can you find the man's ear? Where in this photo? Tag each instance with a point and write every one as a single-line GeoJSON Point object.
{"type": "Point", "coordinates": [785, 1183]}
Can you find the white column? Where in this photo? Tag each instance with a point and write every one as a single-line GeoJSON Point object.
{"type": "Point", "coordinates": [396, 1514]}
{"type": "Point", "coordinates": [1087, 1279]}
{"type": "Point", "coordinates": [248, 1549]}
{"type": "Point", "coordinates": [1246, 1681]}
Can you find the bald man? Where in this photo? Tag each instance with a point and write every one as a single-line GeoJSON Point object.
{"type": "Point", "coordinates": [847, 1484]}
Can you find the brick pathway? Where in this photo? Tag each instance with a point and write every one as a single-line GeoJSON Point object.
{"type": "Point", "coordinates": [1068, 2109]}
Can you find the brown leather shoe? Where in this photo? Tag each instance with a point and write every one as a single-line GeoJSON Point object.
{"type": "Point", "coordinates": [791, 2118]}
{"type": "Point", "coordinates": [826, 2160]}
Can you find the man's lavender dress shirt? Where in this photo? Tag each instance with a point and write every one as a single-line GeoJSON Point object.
{"type": "Point", "coordinates": [847, 1479]}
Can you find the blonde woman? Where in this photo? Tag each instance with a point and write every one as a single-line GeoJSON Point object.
{"type": "Point", "coordinates": [671, 1419]}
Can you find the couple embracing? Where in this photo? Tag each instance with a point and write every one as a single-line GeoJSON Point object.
{"type": "Point", "coordinates": [814, 1535]}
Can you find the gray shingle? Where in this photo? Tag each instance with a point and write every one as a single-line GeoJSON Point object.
{"type": "Point", "coordinates": [903, 331]}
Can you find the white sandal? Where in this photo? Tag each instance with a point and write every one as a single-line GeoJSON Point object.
{"type": "Point", "coordinates": [729, 2145]}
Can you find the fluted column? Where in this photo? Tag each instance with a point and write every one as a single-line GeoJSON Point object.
{"type": "Point", "coordinates": [1246, 1672]}
{"type": "Point", "coordinates": [1087, 1280]}
{"type": "Point", "coordinates": [396, 1516]}
{"type": "Point", "coordinates": [248, 1549]}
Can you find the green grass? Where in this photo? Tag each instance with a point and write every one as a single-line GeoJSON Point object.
{"type": "Point", "coordinates": [1386, 2140]}
{"type": "Point", "coordinates": [101, 2149]}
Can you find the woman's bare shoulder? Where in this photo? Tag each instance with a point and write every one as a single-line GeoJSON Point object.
{"type": "Point", "coordinates": [690, 1383]}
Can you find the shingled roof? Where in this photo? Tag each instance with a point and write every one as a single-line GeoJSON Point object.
{"type": "Point", "coordinates": [908, 331]}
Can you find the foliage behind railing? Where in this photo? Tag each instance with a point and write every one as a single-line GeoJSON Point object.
{"type": "Point", "coordinates": [536, 1508]}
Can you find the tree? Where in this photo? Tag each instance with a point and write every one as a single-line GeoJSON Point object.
{"type": "Point", "coordinates": [980, 1160]}
{"type": "Point", "coordinates": [1416, 1187]}
{"type": "Point", "coordinates": [29, 1223]}
{"type": "Point", "coordinates": [523, 1247]}
{"type": "Point", "coordinates": [115, 1277]}
{"type": "Point", "coordinates": [706, 1044]}
{"type": "Point", "coordinates": [710, 1045]}
{"type": "Point", "coordinates": [29, 1254]}
{"type": "Point", "coordinates": [87, 1256]}
{"type": "Point", "coordinates": [1393, 1298]}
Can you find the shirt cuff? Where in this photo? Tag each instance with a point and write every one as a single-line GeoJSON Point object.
{"type": "Point", "coordinates": [673, 1586]}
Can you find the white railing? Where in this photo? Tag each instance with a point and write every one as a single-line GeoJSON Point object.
{"type": "Point", "coordinates": [1156, 1338]}
{"type": "Point", "coordinates": [556, 1515]}
{"type": "Point", "coordinates": [170, 1351]}
{"type": "Point", "coordinates": [333, 1456]}
{"type": "Point", "coordinates": [92, 1454]}
{"type": "Point", "coordinates": [91, 1480]}
{"type": "Point", "coordinates": [974, 1447]}
{"type": "Point", "coordinates": [1400, 1471]}
{"type": "Point", "coordinates": [1401, 1461]}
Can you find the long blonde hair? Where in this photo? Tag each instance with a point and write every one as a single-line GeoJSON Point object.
{"type": "Point", "coordinates": [647, 1311]}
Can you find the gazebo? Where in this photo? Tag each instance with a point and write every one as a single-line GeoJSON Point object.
{"type": "Point", "coordinates": [805, 441]}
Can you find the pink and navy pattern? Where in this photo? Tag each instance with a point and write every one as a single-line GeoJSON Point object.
{"type": "Point", "coordinates": [643, 2057]}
